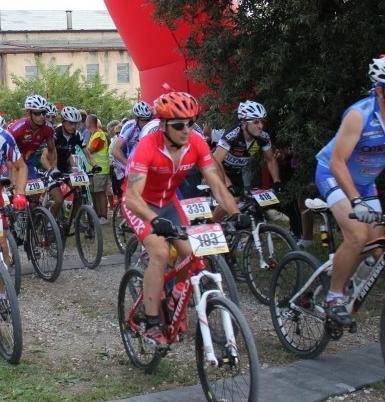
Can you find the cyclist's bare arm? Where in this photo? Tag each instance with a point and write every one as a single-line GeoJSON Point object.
{"type": "Point", "coordinates": [134, 200]}
{"type": "Point", "coordinates": [219, 155]}
{"type": "Point", "coordinates": [89, 157]}
{"type": "Point", "coordinates": [272, 164]}
{"type": "Point", "coordinates": [118, 153]}
{"type": "Point", "coordinates": [220, 191]}
{"type": "Point", "coordinates": [18, 175]}
{"type": "Point", "coordinates": [49, 161]}
{"type": "Point", "coordinates": [347, 138]}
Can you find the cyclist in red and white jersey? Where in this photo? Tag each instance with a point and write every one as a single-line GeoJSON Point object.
{"type": "Point", "coordinates": [32, 133]}
{"type": "Point", "coordinates": [159, 164]}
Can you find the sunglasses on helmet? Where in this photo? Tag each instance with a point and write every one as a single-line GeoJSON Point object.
{"type": "Point", "coordinates": [39, 112]}
{"type": "Point", "coordinates": [179, 125]}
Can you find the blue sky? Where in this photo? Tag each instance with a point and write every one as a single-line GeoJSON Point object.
{"type": "Point", "coordinates": [52, 5]}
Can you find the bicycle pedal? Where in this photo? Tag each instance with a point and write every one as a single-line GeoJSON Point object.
{"type": "Point", "coordinates": [353, 327]}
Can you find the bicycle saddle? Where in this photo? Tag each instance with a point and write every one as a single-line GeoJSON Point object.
{"type": "Point", "coordinates": [316, 204]}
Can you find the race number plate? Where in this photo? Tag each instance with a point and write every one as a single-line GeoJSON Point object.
{"type": "Point", "coordinates": [264, 197]}
{"type": "Point", "coordinates": [35, 186]}
{"type": "Point", "coordinates": [197, 207]}
{"type": "Point", "coordinates": [207, 239]}
{"type": "Point", "coordinates": [79, 179]}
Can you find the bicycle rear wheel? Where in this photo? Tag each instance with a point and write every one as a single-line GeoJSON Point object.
{"type": "Point", "coordinates": [11, 337]}
{"type": "Point", "coordinates": [121, 231]}
{"type": "Point", "coordinates": [141, 354]}
{"type": "Point", "coordinates": [301, 329]}
{"type": "Point", "coordinates": [45, 244]}
{"type": "Point", "coordinates": [15, 269]}
{"type": "Point", "coordinates": [88, 236]}
{"type": "Point", "coordinates": [236, 376]}
{"type": "Point", "coordinates": [276, 242]}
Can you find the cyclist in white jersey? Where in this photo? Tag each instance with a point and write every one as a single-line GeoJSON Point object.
{"type": "Point", "coordinates": [347, 168]}
{"type": "Point", "coordinates": [129, 134]}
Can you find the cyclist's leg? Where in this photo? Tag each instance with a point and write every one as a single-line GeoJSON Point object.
{"type": "Point", "coordinates": [355, 235]}
{"type": "Point", "coordinates": [157, 249]}
{"type": "Point", "coordinates": [57, 196]}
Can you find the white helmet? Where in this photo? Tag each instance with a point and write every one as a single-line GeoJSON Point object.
{"type": "Point", "coordinates": [377, 70]}
{"type": "Point", "coordinates": [35, 102]}
{"type": "Point", "coordinates": [2, 122]}
{"type": "Point", "coordinates": [251, 110]}
{"type": "Point", "coordinates": [51, 109]}
{"type": "Point", "coordinates": [71, 114]}
{"type": "Point", "coordinates": [142, 110]}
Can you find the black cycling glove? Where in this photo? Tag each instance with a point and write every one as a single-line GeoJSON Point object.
{"type": "Point", "coordinates": [162, 227]}
{"type": "Point", "coordinates": [55, 173]}
{"type": "Point", "coordinates": [241, 221]}
{"type": "Point", "coordinates": [278, 187]}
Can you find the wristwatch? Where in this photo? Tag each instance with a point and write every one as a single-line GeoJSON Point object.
{"type": "Point", "coordinates": [355, 201]}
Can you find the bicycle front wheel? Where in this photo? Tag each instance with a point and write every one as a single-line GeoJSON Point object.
{"type": "Point", "coordinates": [141, 354]}
{"type": "Point", "coordinates": [121, 231]}
{"type": "Point", "coordinates": [88, 236]}
{"type": "Point", "coordinates": [15, 269]}
{"type": "Point", "coordinates": [45, 244]}
{"type": "Point", "coordinates": [300, 326]}
{"type": "Point", "coordinates": [276, 242]}
{"type": "Point", "coordinates": [235, 378]}
{"type": "Point", "coordinates": [11, 337]}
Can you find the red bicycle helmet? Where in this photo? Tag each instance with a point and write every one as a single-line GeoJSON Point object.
{"type": "Point", "coordinates": [176, 105]}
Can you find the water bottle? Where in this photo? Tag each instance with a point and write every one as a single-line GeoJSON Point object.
{"type": "Point", "coordinates": [173, 299]}
{"type": "Point", "coordinates": [67, 206]}
{"type": "Point", "coordinates": [324, 236]}
{"type": "Point", "coordinates": [365, 268]}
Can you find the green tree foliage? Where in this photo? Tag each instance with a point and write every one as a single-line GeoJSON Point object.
{"type": "Point", "coordinates": [68, 88]}
{"type": "Point", "coordinates": [306, 61]}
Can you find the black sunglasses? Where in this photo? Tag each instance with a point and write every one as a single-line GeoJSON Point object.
{"type": "Point", "coordinates": [180, 125]}
{"type": "Point", "coordinates": [39, 113]}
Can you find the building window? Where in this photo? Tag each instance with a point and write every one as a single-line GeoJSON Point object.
{"type": "Point", "coordinates": [63, 68]}
{"type": "Point", "coordinates": [123, 72]}
{"type": "Point", "coordinates": [92, 70]}
{"type": "Point", "coordinates": [30, 72]}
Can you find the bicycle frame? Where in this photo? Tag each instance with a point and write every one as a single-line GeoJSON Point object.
{"type": "Point", "coordinates": [194, 276]}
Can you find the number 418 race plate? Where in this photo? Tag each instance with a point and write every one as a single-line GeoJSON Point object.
{"type": "Point", "coordinates": [207, 239]}
{"type": "Point", "coordinates": [264, 197]}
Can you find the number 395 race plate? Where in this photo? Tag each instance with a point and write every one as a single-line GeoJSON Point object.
{"type": "Point", "coordinates": [207, 239]}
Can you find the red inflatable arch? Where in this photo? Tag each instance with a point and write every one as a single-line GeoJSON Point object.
{"type": "Point", "coordinates": [154, 48]}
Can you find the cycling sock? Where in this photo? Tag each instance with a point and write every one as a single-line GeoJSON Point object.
{"type": "Point", "coordinates": [152, 321]}
{"type": "Point", "coordinates": [333, 296]}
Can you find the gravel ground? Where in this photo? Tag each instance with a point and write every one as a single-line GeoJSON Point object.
{"type": "Point", "coordinates": [75, 319]}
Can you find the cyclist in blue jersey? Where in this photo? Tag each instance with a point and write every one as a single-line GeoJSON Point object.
{"type": "Point", "coordinates": [129, 134]}
{"type": "Point", "coordinates": [347, 168]}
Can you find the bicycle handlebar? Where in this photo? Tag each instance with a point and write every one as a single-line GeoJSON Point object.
{"type": "Point", "coordinates": [379, 217]}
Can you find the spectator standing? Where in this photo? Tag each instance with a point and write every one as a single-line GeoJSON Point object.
{"type": "Point", "coordinates": [98, 147]}
{"type": "Point", "coordinates": [113, 129]}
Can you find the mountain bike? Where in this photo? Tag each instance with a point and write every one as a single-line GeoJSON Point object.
{"type": "Point", "coordinates": [226, 355]}
{"type": "Point", "coordinates": [36, 230]}
{"type": "Point", "coordinates": [198, 212]}
{"type": "Point", "coordinates": [256, 253]}
{"type": "Point", "coordinates": [11, 338]}
{"type": "Point", "coordinates": [298, 291]}
{"type": "Point", "coordinates": [80, 214]}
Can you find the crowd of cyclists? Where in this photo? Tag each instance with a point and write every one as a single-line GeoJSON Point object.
{"type": "Point", "coordinates": [152, 161]}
